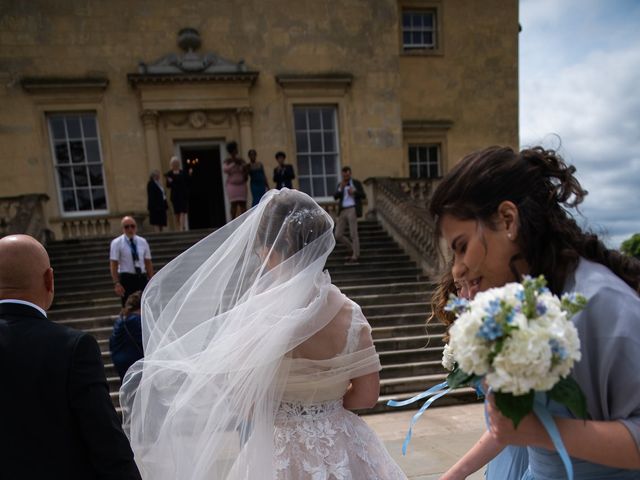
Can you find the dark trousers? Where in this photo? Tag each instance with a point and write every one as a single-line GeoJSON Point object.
{"type": "Point", "coordinates": [132, 282]}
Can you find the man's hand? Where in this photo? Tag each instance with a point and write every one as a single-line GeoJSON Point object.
{"type": "Point", "coordinates": [119, 289]}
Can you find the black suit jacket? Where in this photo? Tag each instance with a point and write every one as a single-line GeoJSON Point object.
{"type": "Point", "coordinates": [56, 418]}
{"type": "Point", "coordinates": [359, 195]}
{"type": "Point", "coordinates": [283, 177]}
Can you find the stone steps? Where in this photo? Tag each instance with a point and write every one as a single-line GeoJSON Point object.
{"type": "Point", "coordinates": [392, 290]}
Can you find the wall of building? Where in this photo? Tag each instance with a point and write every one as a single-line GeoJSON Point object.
{"type": "Point", "coordinates": [472, 84]}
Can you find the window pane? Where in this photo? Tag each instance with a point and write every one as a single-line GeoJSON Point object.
{"type": "Point", "coordinates": [406, 38]}
{"type": "Point", "coordinates": [314, 119]}
{"type": "Point", "coordinates": [316, 141]}
{"type": "Point", "coordinates": [77, 151]}
{"type": "Point", "coordinates": [319, 189]}
{"type": "Point", "coordinates": [332, 184]}
{"type": "Point", "coordinates": [317, 165]}
{"type": "Point", "coordinates": [95, 175]}
{"type": "Point", "coordinates": [329, 143]}
{"type": "Point", "coordinates": [406, 19]}
{"type": "Point", "coordinates": [305, 185]}
{"type": "Point", "coordinates": [73, 127]}
{"type": "Point", "coordinates": [328, 118]}
{"type": "Point", "coordinates": [89, 127]}
{"type": "Point", "coordinates": [433, 154]}
{"type": "Point", "coordinates": [57, 128]}
{"type": "Point", "coordinates": [84, 199]}
{"type": "Point", "coordinates": [80, 176]}
{"type": "Point", "coordinates": [433, 170]}
{"type": "Point", "coordinates": [417, 20]}
{"type": "Point", "coordinates": [303, 165]}
{"type": "Point", "coordinates": [428, 20]}
{"type": "Point", "coordinates": [99, 199]}
{"type": "Point", "coordinates": [61, 152]}
{"type": "Point", "coordinates": [413, 154]}
{"type": "Point", "coordinates": [428, 38]}
{"type": "Point", "coordinates": [93, 151]}
{"type": "Point", "coordinates": [302, 143]}
{"type": "Point", "coordinates": [330, 164]}
{"type": "Point", "coordinates": [417, 38]}
{"type": "Point", "coordinates": [300, 118]}
{"type": "Point", "coordinates": [64, 174]}
{"type": "Point", "coordinates": [413, 170]}
{"type": "Point", "coordinates": [69, 201]}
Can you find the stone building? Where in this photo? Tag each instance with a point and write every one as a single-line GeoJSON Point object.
{"type": "Point", "coordinates": [95, 94]}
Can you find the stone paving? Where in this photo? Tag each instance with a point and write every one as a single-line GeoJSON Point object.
{"type": "Point", "coordinates": [441, 436]}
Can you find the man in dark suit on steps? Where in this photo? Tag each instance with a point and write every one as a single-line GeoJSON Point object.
{"type": "Point", "coordinates": [56, 418]}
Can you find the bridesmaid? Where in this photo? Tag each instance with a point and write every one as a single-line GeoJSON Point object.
{"type": "Point", "coordinates": [258, 182]}
{"type": "Point", "coordinates": [236, 170]}
{"type": "Point", "coordinates": [504, 214]}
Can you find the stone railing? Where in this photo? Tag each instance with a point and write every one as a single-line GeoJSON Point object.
{"type": "Point", "coordinates": [25, 214]}
{"type": "Point", "coordinates": [94, 225]}
{"type": "Point", "coordinates": [400, 204]}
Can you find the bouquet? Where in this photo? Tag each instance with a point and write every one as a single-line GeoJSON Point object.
{"type": "Point", "coordinates": [518, 340]}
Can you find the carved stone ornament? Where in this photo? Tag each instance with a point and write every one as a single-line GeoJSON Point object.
{"type": "Point", "coordinates": [149, 118]}
{"type": "Point", "coordinates": [197, 119]}
{"type": "Point", "coordinates": [191, 61]}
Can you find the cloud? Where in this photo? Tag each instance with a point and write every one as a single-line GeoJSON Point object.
{"type": "Point", "coordinates": [588, 103]}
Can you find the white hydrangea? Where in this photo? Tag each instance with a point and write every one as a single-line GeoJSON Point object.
{"type": "Point", "coordinates": [448, 360]}
{"type": "Point", "coordinates": [535, 353]}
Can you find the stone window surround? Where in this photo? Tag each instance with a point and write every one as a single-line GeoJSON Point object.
{"type": "Point", "coordinates": [425, 161]}
{"type": "Point", "coordinates": [435, 6]}
{"type": "Point", "coordinates": [318, 90]}
{"type": "Point", "coordinates": [56, 95]}
{"type": "Point", "coordinates": [425, 132]}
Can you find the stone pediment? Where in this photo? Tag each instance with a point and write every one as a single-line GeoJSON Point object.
{"type": "Point", "coordinates": [191, 65]}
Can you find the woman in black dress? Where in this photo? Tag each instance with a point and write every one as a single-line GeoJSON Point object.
{"type": "Point", "coordinates": [178, 182]}
{"type": "Point", "coordinates": [156, 202]}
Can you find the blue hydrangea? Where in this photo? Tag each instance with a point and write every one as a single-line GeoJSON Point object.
{"type": "Point", "coordinates": [490, 329]}
{"type": "Point", "coordinates": [456, 305]}
{"type": "Point", "coordinates": [541, 308]}
{"type": "Point", "coordinates": [557, 350]}
{"type": "Point", "coordinates": [520, 296]}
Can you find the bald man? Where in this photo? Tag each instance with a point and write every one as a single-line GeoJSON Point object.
{"type": "Point", "coordinates": [56, 418]}
{"type": "Point", "coordinates": [129, 261]}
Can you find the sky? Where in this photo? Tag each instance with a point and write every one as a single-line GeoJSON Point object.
{"type": "Point", "coordinates": [580, 95]}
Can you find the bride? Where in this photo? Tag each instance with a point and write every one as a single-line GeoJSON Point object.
{"type": "Point", "coordinates": [252, 358]}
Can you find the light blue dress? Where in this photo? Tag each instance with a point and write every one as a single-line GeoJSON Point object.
{"type": "Point", "coordinates": [510, 464]}
{"type": "Point", "coordinates": [608, 373]}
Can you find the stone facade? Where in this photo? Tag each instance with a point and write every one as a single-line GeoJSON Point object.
{"type": "Point", "coordinates": [118, 60]}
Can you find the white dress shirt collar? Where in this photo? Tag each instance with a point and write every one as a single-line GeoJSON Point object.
{"type": "Point", "coordinates": [24, 302]}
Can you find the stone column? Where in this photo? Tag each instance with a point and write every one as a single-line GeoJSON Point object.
{"type": "Point", "coordinates": [246, 133]}
{"type": "Point", "coordinates": [150, 121]}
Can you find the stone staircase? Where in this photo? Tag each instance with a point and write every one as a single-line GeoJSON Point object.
{"type": "Point", "coordinates": [392, 290]}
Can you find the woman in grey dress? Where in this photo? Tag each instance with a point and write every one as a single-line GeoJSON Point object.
{"type": "Point", "coordinates": [504, 214]}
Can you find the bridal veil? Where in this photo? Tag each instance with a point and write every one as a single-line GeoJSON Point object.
{"type": "Point", "coordinates": [218, 324]}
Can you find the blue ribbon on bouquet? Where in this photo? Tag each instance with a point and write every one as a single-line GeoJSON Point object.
{"type": "Point", "coordinates": [434, 392]}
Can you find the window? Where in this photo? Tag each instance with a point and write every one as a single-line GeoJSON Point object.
{"type": "Point", "coordinates": [78, 162]}
{"type": "Point", "coordinates": [317, 149]}
{"type": "Point", "coordinates": [424, 161]}
{"type": "Point", "coordinates": [418, 30]}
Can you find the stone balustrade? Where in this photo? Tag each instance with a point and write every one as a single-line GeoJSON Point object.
{"type": "Point", "coordinates": [401, 205]}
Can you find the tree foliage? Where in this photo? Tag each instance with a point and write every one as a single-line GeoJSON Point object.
{"type": "Point", "coordinates": [631, 246]}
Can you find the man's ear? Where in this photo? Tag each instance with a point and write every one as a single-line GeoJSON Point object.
{"type": "Point", "coordinates": [508, 218]}
{"type": "Point", "coordinates": [48, 279]}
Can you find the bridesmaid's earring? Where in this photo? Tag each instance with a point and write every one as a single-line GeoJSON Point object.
{"type": "Point", "coordinates": [509, 236]}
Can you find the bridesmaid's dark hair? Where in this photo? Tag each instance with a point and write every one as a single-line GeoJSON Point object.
{"type": "Point", "coordinates": [543, 187]}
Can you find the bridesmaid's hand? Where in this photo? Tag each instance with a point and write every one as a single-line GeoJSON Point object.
{"type": "Point", "coordinates": [530, 431]}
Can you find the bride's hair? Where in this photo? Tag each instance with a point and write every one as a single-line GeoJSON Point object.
{"type": "Point", "coordinates": [290, 222]}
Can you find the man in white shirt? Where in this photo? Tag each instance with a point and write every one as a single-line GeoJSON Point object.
{"type": "Point", "coordinates": [349, 196]}
{"type": "Point", "coordinates": [130, 261]}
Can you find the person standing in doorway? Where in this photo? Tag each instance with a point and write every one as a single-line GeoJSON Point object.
{"type": "Point", "coordinates": [349, 196]}
{"type": "Point", "coordinates": [259, 184]}
{"type": "Point", "coordinates": [130, 261]}
{"type": "Point", "coordinates": [178, 182]}
{"type": "Point", "coordinates": [236, 170]}
{"type": "Point", "coordinates": [283, 174]}
{"type": "Point", "coordinates": [156, 202]}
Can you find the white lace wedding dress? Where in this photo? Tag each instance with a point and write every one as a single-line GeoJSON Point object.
{"type": "Point", "coordinates": [315, 437]}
